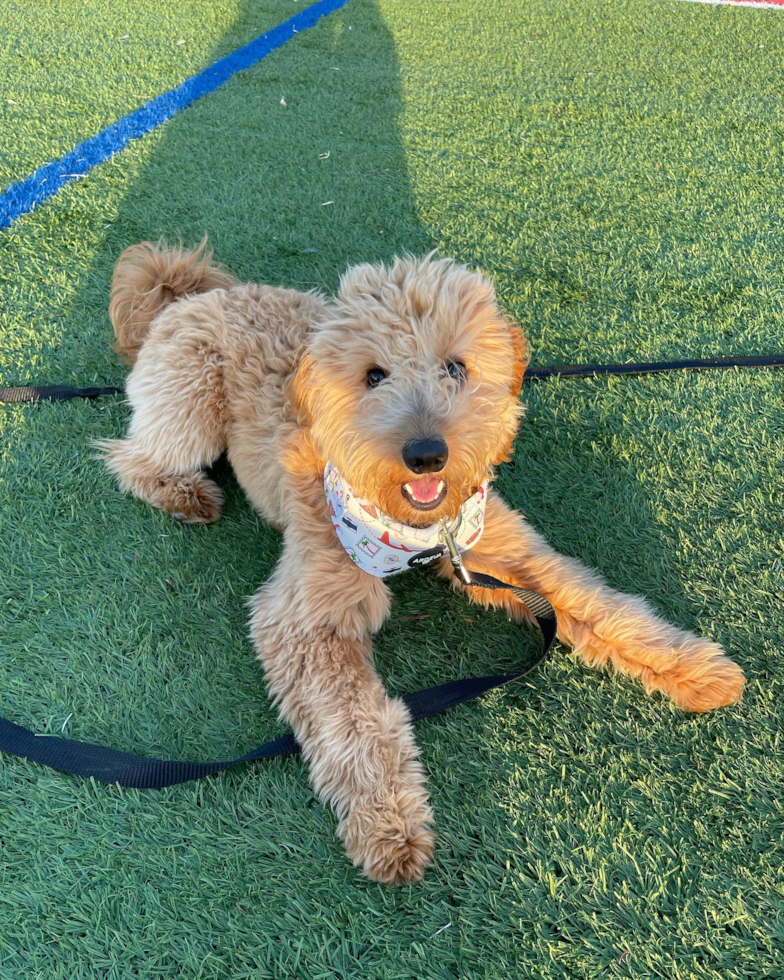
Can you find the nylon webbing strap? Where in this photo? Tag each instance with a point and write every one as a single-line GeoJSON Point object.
{"type": "Point", "coordinates": [654, 367]}
{"type": "Point", "coordinates": [110, 766]}
{"type": "Point", "coordinates": [62, 393]}
{"type": "Point", "coordinates": [52, 393]}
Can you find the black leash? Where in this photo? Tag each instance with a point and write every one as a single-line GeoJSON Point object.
{"type": "Point", "coordinates": [61, 393]}
{"type": "Point", "coordinates": [110, 766]}
{"type": "Point", "coordinates": [52, 393]}
{"type": "Point", "coordinates": [653, 367]}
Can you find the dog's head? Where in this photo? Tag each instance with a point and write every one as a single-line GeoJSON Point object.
{"type": "Point", "coordinates": [411, 385]}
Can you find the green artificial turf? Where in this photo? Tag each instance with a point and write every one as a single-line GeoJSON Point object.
{"type": "Point", "coordinates": [68, 69]}
{"type": "Point", "coordinates": [616, 166]}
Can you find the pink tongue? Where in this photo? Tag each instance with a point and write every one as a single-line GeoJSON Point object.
{"type": "Point", "coordinates": [426, 489]}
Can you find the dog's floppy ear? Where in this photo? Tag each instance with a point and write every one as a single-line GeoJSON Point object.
{"type": "Point", "coordinates": [522, 355]}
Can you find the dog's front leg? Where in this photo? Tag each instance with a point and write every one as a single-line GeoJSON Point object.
{"type": "Point", "coordinates": [311, 624]}
{"type": "Point", "coordinates": [600, 623]}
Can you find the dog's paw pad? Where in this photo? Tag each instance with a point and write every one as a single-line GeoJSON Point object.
{"type": "Point", "coordinates": [187, 519]}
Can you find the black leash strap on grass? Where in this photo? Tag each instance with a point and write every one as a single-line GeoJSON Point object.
{"type": "Point", "coordinates": [109, 766]}
{"type": "Point", "coordinates": [52, 393]}
{"type": "Point", "coordinates": [653, 367]}
{"type": "Point", "coordinates": [62, 393]}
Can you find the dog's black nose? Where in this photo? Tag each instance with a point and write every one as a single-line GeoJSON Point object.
{"type": "Point", "coordinates": [425, 455]}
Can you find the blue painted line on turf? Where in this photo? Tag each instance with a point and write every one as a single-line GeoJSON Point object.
{"type": "Point", "coordinates": [22, 197]}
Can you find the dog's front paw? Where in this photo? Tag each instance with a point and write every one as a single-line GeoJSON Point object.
{"type": "Point", "coordinates": [702, 677]}
{"type": "Point", "coordinates": [392, 842]}
{"type": "Point", "coordinates": [718, 684]}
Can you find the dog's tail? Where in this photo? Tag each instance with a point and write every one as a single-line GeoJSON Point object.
{"type": "Point", "coordinates": [148, 277]}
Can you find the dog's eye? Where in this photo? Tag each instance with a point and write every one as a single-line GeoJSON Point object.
{"type": "Point", "coordinates": [457, 371]}
{"type": "Point", "coordinates": [375, 376]}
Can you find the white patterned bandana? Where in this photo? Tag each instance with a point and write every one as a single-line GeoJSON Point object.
{"type": "Point", "coordinates": [381, 546]}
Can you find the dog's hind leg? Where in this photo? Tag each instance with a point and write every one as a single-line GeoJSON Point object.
{"type": "Point", "coordinates": [176, 389]}
{"type": "Point", "coordinates": [601, 624]}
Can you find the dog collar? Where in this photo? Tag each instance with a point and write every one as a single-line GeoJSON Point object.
{"type": "Point", "coordinates": [381, 546]}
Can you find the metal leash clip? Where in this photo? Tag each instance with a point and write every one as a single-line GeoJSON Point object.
{"type": "Point", "coordinates": [447, 534]}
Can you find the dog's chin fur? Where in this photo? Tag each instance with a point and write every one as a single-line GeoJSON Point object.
{"type": "Point", "coordinates": [449, 508]}
{"type": "Point", "coordinates": [389, 498]}
{"type": "Point", "coordinates": [278, 379]}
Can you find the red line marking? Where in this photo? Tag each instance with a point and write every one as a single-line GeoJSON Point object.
{"type": "Point", "coordinates": [742, 3]}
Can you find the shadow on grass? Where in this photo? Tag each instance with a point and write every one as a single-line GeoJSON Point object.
{"type": "Point", "coordinates": [296, 169]}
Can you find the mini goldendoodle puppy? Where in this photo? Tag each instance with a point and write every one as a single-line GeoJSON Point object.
{"type": "Point", "coordinates": [355, 425]}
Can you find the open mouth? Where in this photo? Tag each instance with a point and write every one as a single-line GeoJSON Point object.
{"type": "Point", "coordinates": [426, 493]}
